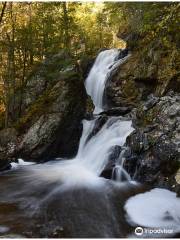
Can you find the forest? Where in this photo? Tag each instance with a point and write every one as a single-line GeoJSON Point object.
{"type": "Point", "coordinates": [89, 119]}
{"type": "Point", "coordinates": [30, 32]}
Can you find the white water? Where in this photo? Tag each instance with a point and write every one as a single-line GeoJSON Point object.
{"type": "Point", "coordinates": [158, 208]}
{"type": "Point", "coordinates": [119, 172]}
{"type": "Point", "coordinates": [95, 82]}
{"type": "Point", "coordinates": [152, 209]}
{"type": "Point", "coordinates": [91, 158]}
{"type": "Point", "coordinates": [20, 162]}
{"type": "Point", "coordinates": [93, 153]}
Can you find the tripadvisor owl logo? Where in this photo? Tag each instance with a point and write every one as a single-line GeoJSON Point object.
{"type": "Point", "coordinates": [139, 231]}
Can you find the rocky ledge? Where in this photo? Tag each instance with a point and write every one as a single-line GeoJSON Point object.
{"type": "Point", "coordinates": [53, 107]}
{"type": "Point", "coordinates": [153, 154]}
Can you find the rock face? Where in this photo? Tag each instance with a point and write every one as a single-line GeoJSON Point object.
{"type": "Point", "coordinates": [8, 141]}
{"type": "Point", "coordinates": [53, 107]}
{"type": "Point", "coordinates": [56, 127]}
{"type": "Point", "coordinates": [155, 144]}
{"type": "Point", "coordinates": [143, 84]}
{"type": "Point", "coordinates": [108, 170]}
{"type": "Point", "coordinates": [150, 68]}
{"type": "Point", "coordinates": [85, 64]}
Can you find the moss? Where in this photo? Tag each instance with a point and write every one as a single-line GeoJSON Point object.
{"type": "Point", "coordinates": [39, 107]}
{"type": "Point", "coordinates": [146, 117]}
{"type": "Point", "coordinates": [50, 69]}
{"type": "Point", "coordinates": [43, 105]}
{"type": "Point", "coordinates": [129, 90]}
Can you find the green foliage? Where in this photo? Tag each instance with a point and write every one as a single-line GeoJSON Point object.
{"type": "Point", "coordinates": [150, 19]}
{"type": "Point", "coordinates": [31, 32]}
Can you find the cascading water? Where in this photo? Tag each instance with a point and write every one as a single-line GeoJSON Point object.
{"type": "Point", "coordinates": [41, 185]}
{"type": "Point", "coordinates": [95, 82]}
{"type": "Point", "coordinates": [93, 153]}
{"type": "Point", "coordinates": [119, 173]}
{"type": "Point", "coordinates": [67, 198]}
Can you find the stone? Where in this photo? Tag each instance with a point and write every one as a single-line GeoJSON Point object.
{"type": "Point", "coordinates": [117, 111]}
{"type": "Point", "coordinates": [56, 129]}
{"type": "Point", "coordinates": [155, 156]}
{"type": "Point", "coordinates": [107, 171]}
{"type": "Point", "coordinates": [151, 102]}
{"type": "Point", "coordinates": [8, 143]}
{"type": "Point", "coordinates": [54, 104]}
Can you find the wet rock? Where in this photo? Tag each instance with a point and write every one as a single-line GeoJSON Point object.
{"type": "Point", "coordinates": [5, 165]}
{"type": "Point", "coordinates": [122, 53]}
{"type": "Point", "coordinates": [12, 235]}
{"type": "Point", "coordinates": [115, 152]}
{"type": "Point", "coordinates": [57, 232]}
{"type": "Point", "coordinates": [8, 142]}
{"type": "Point", "coordinates": [98, 125]}
{"type": "Point", "coordinates": [118, 111]}
{"type": "Point", "coordinates": [151, 102]}
{"type": "Point", "coordinates": [155, 143]}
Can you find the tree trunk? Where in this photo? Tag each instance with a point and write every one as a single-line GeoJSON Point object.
{"type": "Point", "coordinates": [66, 26]}
{"type": "Point", "coordinates": [3, 11]}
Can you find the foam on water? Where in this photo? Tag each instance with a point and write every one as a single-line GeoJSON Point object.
{"type": "Point", "coordinates": [20, 163]}
{"type": "Point", "coordinates": [67, 172]}
{"type": "Point", "coordinates": [158, 208]}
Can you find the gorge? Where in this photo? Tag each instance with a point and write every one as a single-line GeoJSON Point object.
{"type": "Point", "coordinates": [91, 194]}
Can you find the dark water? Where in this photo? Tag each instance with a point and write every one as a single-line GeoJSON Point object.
{"type": "Point", "coordinates": [32, 207]}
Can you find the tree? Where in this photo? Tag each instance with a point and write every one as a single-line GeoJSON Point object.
{"type": "Point", "coordinates": [2, 11]}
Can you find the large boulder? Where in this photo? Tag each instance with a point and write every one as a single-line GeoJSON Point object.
{"type": "Point", "coordinates": [51, 123]}
{"type": "Point", "coordinates": [155, 143]}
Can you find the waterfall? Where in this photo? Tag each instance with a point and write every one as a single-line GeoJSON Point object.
{"type": "Point", "coordinates": [119, 173]}
{"type": "Point", "coordinates": [95, 82]}
{"type": "Point", "coordinates": [105, 63]}
{"type": "Point", "coordinates": [95, 143]}
{"type": "Point", "coordinates": [94, 153]}
{"type": "Point", "coordinates": [68, 198]}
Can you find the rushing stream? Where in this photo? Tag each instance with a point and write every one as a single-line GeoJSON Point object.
{"type": "Point", "coordinates": [67, 197]}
